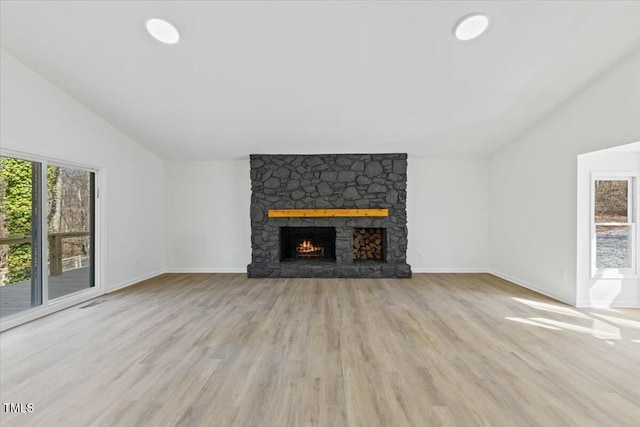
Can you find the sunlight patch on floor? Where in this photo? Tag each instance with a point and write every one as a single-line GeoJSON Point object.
{"type": "Point", "coordinates": [618, 321]}
{"type": "Point", "coordinates": [604, 330]}
{"type": "Point", "coordinates": [531, 322]}
{"type": "Point", "coordinates": [600, 330]}
{"type": "Point", "coordinates": [552, 308]}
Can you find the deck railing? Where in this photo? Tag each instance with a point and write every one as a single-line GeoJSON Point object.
{"type": "Point", "coordinates": [55, 247]}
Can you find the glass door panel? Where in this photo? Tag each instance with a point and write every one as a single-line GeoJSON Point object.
{"type": "Point", "coordinates": [70, 221]}
{"type": "Point", "coordinates": [20, 278]}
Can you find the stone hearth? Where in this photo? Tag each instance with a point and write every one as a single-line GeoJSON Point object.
{"type": "Point", "coordinates": [364, 181]}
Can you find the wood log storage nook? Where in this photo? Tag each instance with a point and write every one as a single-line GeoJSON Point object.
{"type": "Point", "coordinates": [367, 244]}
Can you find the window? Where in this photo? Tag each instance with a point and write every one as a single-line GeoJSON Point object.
{"type": "Point", "coordinates": [613, 225]}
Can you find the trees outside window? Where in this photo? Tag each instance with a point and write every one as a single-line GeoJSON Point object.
{"type": "Point", "coordinates": [613, 228]}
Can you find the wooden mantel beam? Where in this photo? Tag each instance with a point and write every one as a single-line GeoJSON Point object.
{"type": "Point", "coordinates": [296, 213]}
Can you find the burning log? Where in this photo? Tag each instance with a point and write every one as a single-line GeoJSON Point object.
{"type": "Point", "coordinates": [306, 249]}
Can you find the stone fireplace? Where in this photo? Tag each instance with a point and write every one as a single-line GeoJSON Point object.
{"type": "Point", "coordinates": [357, 223]}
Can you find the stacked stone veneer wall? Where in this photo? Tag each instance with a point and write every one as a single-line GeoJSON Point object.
{"type": "Point", "coordinates": [329, 181]}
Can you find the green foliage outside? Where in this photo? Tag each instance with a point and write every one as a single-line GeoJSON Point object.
{"type": "Point", "coordinates": [15, 211]}
{"type": "Point", "coordinates": [15, 207]}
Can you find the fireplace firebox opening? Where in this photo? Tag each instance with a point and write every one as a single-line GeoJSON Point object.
{"type": "Point", "coordinates": [368, 244]}
{"type": "Point", "coordinates": [307, 244]}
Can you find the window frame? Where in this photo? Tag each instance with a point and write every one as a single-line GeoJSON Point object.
{"type": "Point", "coordinates": [633, 208]}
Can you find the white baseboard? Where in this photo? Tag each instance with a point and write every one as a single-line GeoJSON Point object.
{"type": "Point", "coordinates": [133, 281]}
{"type": "Point", "coordinates": [608, 304]}
{"type": "Point", "coordinates": [449, 270]}
{"type": "Point", "coordinates": [206, 270]}
{"type": "Point", "coordinates": [244, 270]}
{"type": "Point", "coordinates": [529, 286]}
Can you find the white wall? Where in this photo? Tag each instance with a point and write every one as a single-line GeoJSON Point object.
{"type": "Point", "coordinates": [612, 292]}
{"type": "Point", "coordinates": [39, 119]}
{"type": "Point", "coordinates": [208, 205]}
{"type": "Point", "coordinates": [515, 213]}
{"type": "Point", "coordinates": [533, 181]}
{"type": "Point", "coordinates": [448, 215]}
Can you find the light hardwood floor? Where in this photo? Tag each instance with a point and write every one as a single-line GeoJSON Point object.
{"type": "Point", "coordinates": [221, 349]}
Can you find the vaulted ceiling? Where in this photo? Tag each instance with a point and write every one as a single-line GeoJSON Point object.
{"type": "Point", "coordinates": [319, 77]}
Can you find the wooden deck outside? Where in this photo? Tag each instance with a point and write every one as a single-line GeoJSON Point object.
{"type": "Point", "coordinates": [55, 247]}
{"type": "Point", "coordinates": [17, 297]}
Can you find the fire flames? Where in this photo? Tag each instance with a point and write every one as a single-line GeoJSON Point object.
{"type": "Point", "coordinates": [306, 247]}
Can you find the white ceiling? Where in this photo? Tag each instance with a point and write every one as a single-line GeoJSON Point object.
{"type": "Point", "coordinates": [320, 77]}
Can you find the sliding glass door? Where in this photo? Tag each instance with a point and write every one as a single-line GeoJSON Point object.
{"type": "Point", "coordinates": [46, 210]}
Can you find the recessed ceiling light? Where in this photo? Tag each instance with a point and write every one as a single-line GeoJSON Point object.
{"type": "Point", "coordinates": [163, 31]}
{"type": "Point", "coordinates": [471, 26]}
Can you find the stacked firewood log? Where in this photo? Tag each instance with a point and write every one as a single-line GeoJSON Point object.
{"type": "Point", "coordinates": [367, 244]}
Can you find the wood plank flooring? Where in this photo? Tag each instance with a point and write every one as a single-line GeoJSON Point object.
{"type": "Point", "coordinates": [224, 350]}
